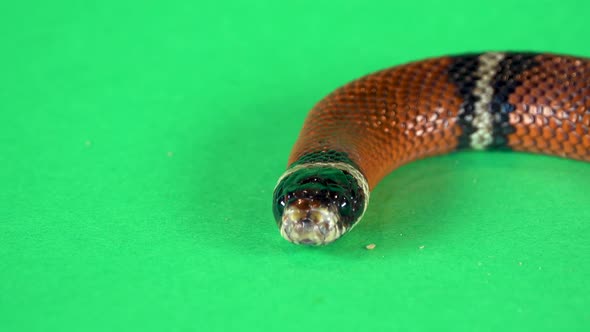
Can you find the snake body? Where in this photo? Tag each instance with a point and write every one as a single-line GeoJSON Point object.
{"type": "Point", "coordinates": [351, 139]}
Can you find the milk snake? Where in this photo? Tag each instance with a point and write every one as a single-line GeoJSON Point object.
{"type": "Point", "coordinates": [351, 139]}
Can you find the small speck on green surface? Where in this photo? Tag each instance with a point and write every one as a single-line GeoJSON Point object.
{"type": "Point", "coordinates": [141, 142]}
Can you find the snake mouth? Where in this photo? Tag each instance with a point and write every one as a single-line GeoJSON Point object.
{"type": "Point", "coordinates": [310, 224]}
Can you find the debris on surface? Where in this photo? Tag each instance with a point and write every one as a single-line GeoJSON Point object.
{"type": "Point", "coordinates": [370, 246]}
{"type": "Point", "coordinates": [421, 247]}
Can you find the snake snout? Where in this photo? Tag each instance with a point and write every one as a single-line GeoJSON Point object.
{"type": "Point", "coordinates": [308, 222]}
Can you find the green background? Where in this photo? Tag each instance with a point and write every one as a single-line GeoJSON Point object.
{"type": "Point", "coordinates": [141, 141]}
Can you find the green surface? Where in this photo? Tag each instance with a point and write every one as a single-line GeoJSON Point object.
{"type": "Point", "coordinates": [141, 143]}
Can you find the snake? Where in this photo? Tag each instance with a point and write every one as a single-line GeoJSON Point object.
{"type": "Point", "coordinates": [528, 102]}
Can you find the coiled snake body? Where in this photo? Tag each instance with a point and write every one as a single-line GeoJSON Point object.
{"type": "Point", "coordinates": [531, 102]}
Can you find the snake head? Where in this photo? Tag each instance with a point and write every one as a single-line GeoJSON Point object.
{"type": "Point", "coordinates": [315, 205]}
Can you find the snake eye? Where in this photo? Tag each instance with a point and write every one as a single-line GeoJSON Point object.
{"type": "Point", "coordinates": [344, 208]}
